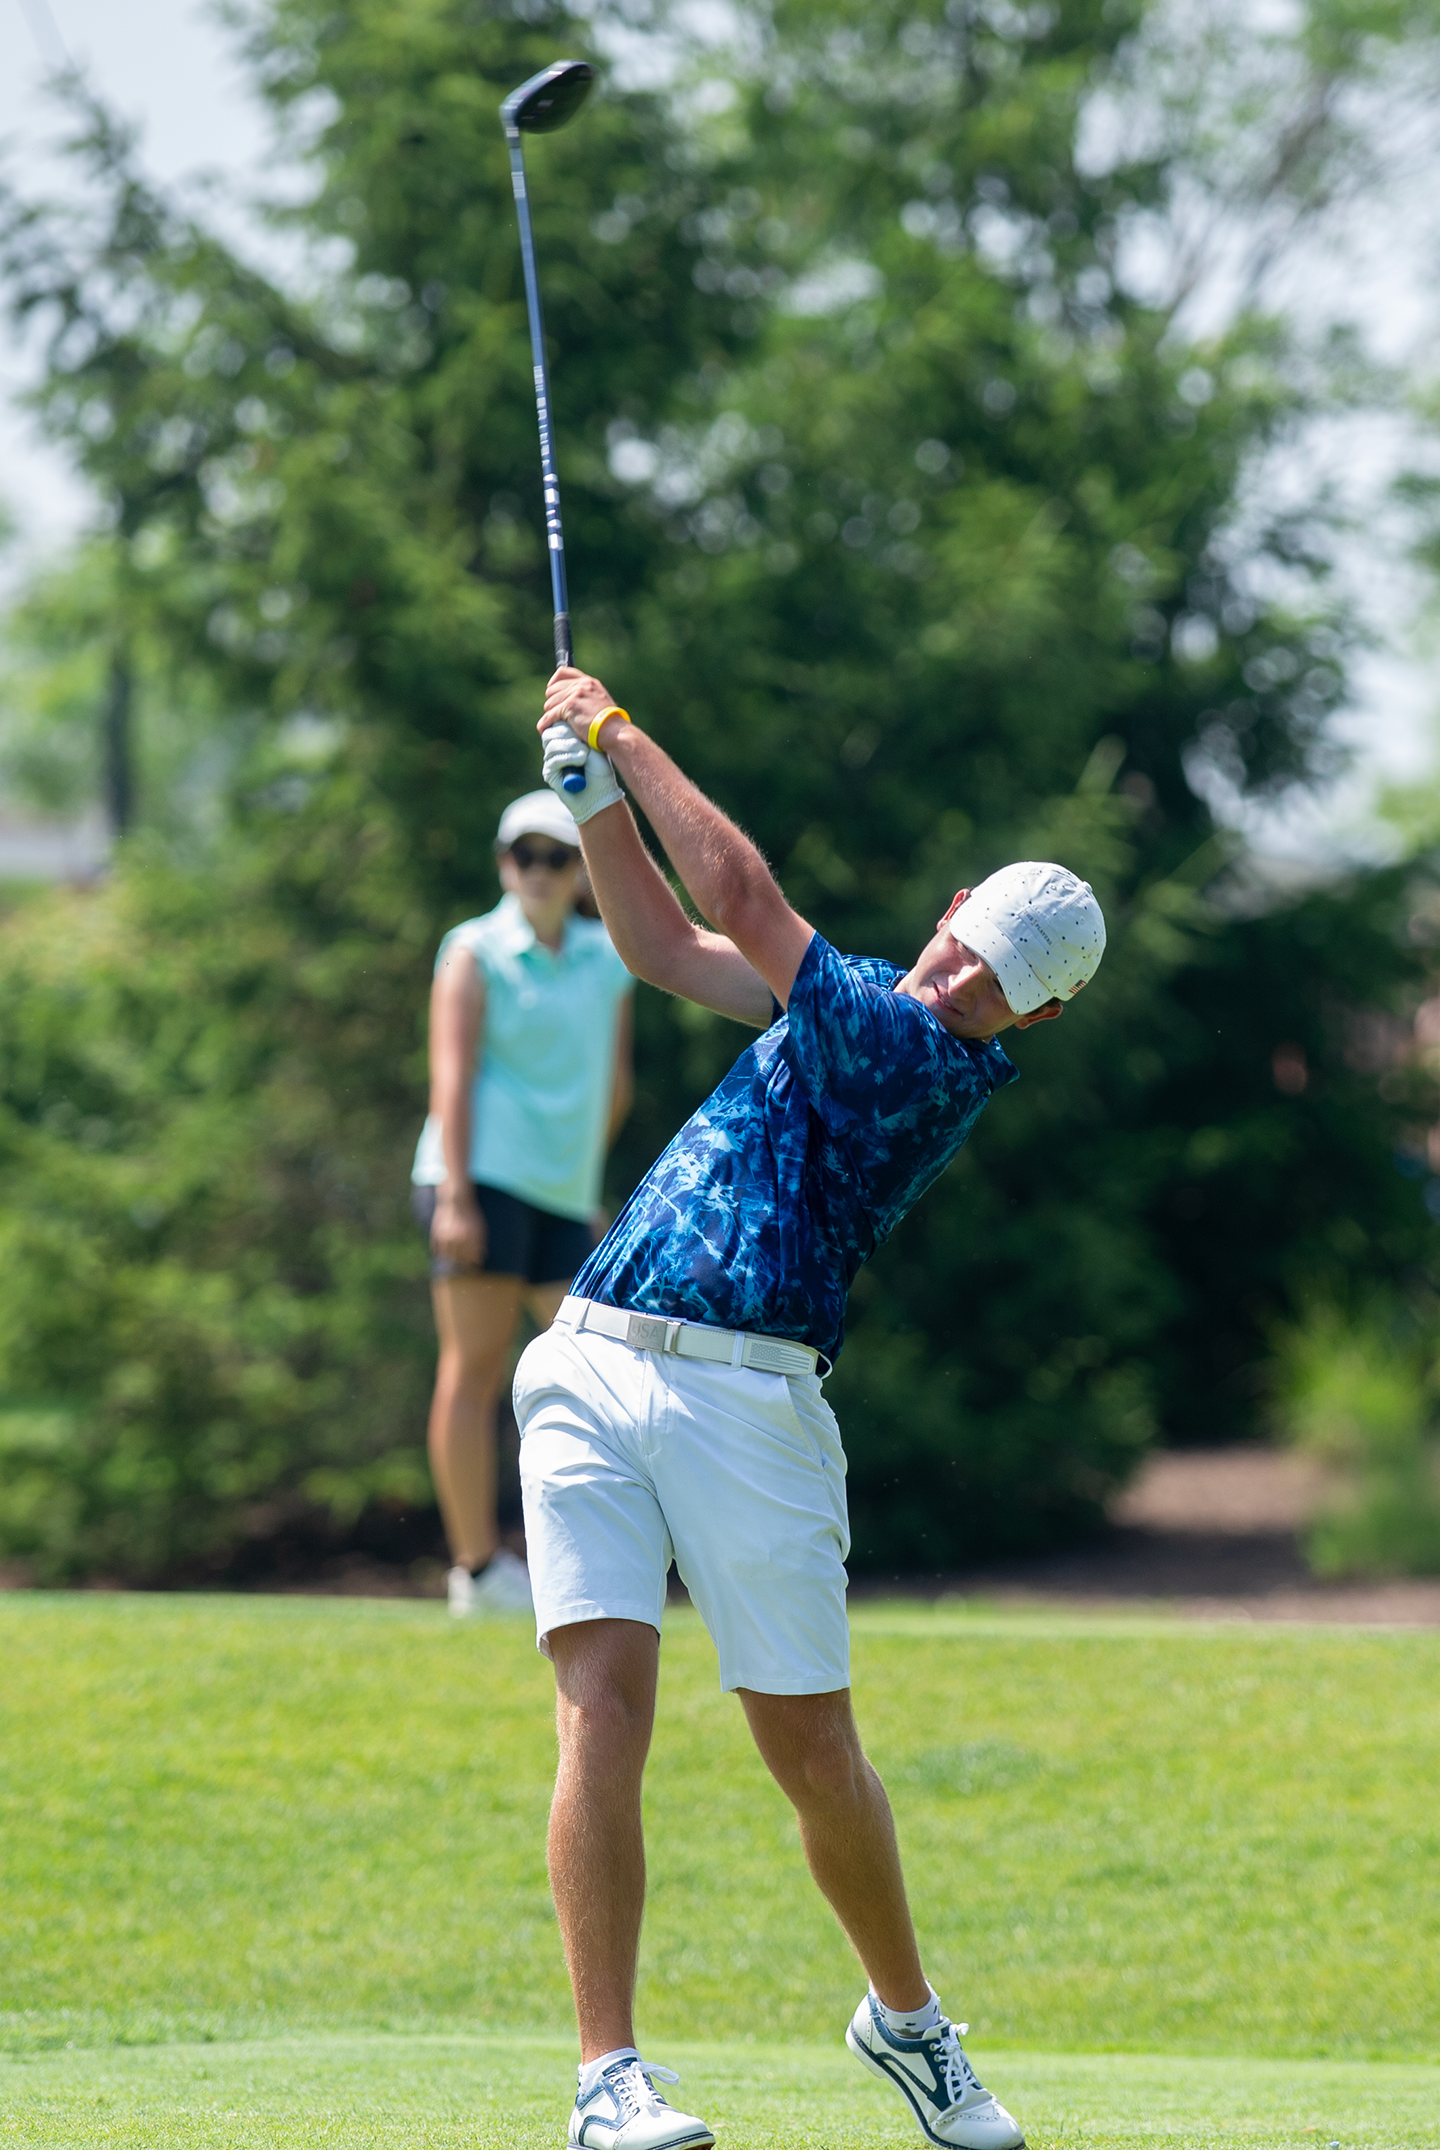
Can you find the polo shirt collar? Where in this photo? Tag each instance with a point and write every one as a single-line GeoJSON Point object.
{"type": "Point", "coordinates": [518, 937]}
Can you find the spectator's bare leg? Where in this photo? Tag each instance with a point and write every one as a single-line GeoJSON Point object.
{"type": "Point", "coordinates": [475, 1320]}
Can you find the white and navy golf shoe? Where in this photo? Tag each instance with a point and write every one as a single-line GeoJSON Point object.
{"type": "Point", "coordinates": [932, 2073]}
{"type": "Point", "coordinates": [624, 2111]}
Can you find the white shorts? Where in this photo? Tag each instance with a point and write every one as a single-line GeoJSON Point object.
{"type": "Point", "coordinates": [629, 1458]}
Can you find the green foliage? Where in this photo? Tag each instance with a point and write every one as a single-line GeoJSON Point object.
{"type": "Point", "coordinates": [213, 1323]}
{"type": "Point", "coordinates": [52, 685]}
{"type": "Point", "coordinates": [232, 1818]}
{"type": "Point", "coordinates": [1362, 1395]}
{"type": "Point", "coordinates": [62, 639]}
{"type": "Point", "coordinates": [917, 540]}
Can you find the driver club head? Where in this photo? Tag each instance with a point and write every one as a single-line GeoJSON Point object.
{"type": "Point", "coordinates": [548, 100]}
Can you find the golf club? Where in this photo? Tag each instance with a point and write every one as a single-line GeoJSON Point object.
{"type": "Point", "coordinates": [547, 101]}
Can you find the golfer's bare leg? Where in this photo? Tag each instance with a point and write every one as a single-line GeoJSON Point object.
{"type": "Point", "coordinates": [605, 1674]}
{"type": "Point", "coordinates": [475, 1320]}
{"type": "Point", "coordinates": [811, 1746]}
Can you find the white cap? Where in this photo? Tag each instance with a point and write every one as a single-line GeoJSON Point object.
{"type": "Point", "coordinates": [539, 813]}
{"type": "Point", "coordinates": [1040, 930]}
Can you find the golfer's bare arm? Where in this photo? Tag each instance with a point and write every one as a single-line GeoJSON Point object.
{"type": "Point", "coordinates": [759, 941]}
{"type": "Point", "coordinates": [654, 938]}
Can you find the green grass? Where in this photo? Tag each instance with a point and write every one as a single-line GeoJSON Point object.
{"type": "Point", "coordinates": [419, 2093]}
{"type": "Point", "coordinates": [294, 1851]}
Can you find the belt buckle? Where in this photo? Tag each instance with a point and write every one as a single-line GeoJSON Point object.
{"type": "Point", "coordinates": [651, 1332]}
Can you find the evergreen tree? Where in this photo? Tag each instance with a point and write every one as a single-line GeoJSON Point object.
{"type": "Point", "coordinates": [906, 528]}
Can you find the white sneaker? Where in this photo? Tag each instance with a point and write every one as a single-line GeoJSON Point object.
{"type": "Point", "coordinates": [502, 1587]}
{"type": "Point", "coordinates": [625, 2111]}
{"type": "Point", "coordinates": [933, 2074]}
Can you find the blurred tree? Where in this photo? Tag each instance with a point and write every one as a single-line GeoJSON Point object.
{"type": "Point", "coordinates": [320, 546]}
{"type": "Point", "coordinates": [81, 648]}
{"type": "Point", "coordinates": [973, 516]}
{"type": "Point", "coordinates": [917, 537]}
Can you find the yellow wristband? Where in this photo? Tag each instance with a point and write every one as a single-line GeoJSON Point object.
{"type": "Point", "coordinates": [604, 717]}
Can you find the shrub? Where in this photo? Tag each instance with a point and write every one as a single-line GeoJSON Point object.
{"type": "Point", "coordinates": [1361, 1394]}
{"type": "Point", "coordinates": [213, 1329]}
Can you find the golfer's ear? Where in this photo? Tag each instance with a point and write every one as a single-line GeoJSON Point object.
{"type": "Point", "coordinates": [955, 904]}
{"type": "Point", "coordinates": [1047, 1014]}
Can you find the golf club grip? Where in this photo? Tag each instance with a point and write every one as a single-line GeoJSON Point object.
{"type": "Point", "coordinates": [574, 777]}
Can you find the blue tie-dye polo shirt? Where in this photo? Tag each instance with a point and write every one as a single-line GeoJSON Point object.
{"type": "Point", "coordinates": [802, 1162]}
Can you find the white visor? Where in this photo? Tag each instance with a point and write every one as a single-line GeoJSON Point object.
{"type": "Point", "coordinates": [539, 813]}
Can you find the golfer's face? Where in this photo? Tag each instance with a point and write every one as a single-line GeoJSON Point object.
{"type": "Point", "coordinates": [961, 990]}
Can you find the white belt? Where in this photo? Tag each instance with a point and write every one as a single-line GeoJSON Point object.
{"type": "Point", "coordinates": [688, 1339]}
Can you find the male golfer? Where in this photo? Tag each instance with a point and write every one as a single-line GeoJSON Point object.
{"type": "Point", "coordinates": [674, 1408]}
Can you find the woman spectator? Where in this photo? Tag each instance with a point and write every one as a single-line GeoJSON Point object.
{"type": "Point", "coordinates": [530, 1079]}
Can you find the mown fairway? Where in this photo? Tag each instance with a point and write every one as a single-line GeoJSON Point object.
{"type": "Point", "coordinates": [294, 1849]}
{"type": "Point", "coordinates": [394, 2093]}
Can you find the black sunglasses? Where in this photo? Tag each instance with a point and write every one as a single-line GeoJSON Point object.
{"type": "Point", "coordinates": [557, 858]}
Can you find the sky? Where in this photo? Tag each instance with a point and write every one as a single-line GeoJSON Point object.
{"type": "Point", "coordinates": [171, 66]}
{"type": "Point", "coordinates": [164, 63]}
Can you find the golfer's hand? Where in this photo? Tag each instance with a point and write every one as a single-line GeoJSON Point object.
{"type": "Point", "coordinates": [575, 699]}
{"type": "Point", "coordinates": [601, 788]}
{"type": "Point", "coordinates": [457, 1230]}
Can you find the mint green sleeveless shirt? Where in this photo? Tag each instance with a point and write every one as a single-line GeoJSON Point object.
{"type": "Point", "coordinates": [541, 1100]}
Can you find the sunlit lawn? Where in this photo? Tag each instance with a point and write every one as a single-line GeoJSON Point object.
{"type": "Point", "coordinates": [354, 2092]}
{"type": "Point", "coordinates": [292, 1850]}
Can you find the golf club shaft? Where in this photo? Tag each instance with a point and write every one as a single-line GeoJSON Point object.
{"type": "Point", "coordinates": [554, 534]}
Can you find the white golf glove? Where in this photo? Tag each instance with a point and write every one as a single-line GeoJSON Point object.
{"type": "Point", "coordinates": [601, 786]}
